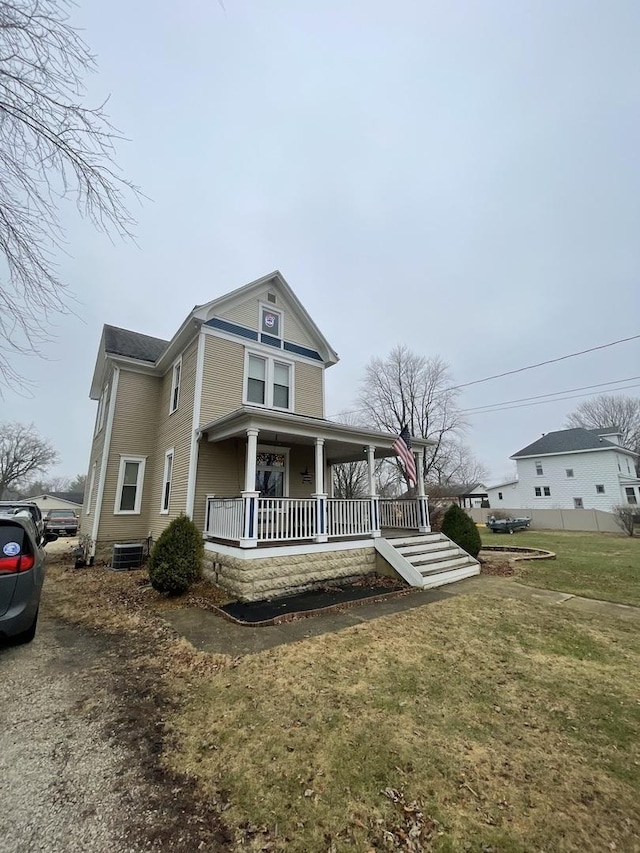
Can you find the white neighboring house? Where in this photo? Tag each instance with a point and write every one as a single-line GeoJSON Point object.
{"type": "Point", "coordinates": [56, 501]}
{"type": "Point", "coordinates": [571, 469]}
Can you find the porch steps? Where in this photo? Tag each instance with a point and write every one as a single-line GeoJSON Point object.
{"type": "Point", "coordinates": [427, 560]}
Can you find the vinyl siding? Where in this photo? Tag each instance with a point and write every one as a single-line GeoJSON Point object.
{"type": "Point", "coordinates": [248, 314]}
{"type": "Point", "coordinates": [174, 431]}
{"type": "Point", "coordinates": [220, 472]}
{"type": "Point", "coordinates": [301, 457]}
{"type": "Point", "coordinates": [222, 378]}
{"type": "Point", "coordinates": [308, 391]}
{"type": "Point", "coordinates": [133, 434]}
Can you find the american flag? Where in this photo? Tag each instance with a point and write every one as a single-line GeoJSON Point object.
{"type": "Point", "coordinates": [402, 448]}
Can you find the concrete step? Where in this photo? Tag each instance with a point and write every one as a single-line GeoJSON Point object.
{"type": "Point", "coordinates": [419, 538]}
{"type": "Point", "coordinates": [442, 578]}
{"type": "Point", "coordinates": [419, 560]}
{"type": "Point", "coordinates": [446, 565]}
{"type": "Point", "coordinates": [424, 548]}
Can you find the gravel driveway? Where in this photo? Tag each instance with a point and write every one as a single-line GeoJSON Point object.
{"type": "Point", "coordinates": [80, 740]}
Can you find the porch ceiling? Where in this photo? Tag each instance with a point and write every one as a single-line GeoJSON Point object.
{"type": "Point", "coordinates": [342, 443]}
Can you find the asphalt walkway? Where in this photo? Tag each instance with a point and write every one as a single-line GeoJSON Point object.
{"type": "Point", "coordinates": [211, 633]}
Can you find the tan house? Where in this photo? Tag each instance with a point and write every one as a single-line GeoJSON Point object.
{"type": "Point", "coordinates": [226, 423]}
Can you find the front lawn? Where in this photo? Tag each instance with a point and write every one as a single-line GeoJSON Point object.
{"type": "Point", "coordinates": [595, 565]}
{"type": "Point", "coordinates": [469, 724]}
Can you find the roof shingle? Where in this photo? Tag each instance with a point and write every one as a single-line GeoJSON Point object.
{"type": "Point", "coordinates": [567, 441]}
{"type": "Point", "coordinates": [133, 344]}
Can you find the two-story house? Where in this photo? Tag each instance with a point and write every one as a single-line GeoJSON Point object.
{"type": "Point", "coordinates": [571, 469]}
{"type": "Point", "coordinates": [226, 422]}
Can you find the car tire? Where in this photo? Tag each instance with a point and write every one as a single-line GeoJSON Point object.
{"type": "Point", "coordinates": [28, 635]}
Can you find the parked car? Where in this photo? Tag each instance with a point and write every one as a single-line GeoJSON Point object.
{"type": "Point", "coordinates": [32, 508]}
{"type": "Point", "coordinates": [21, 575]}
{"type": "Point", "coordinates": [64, 522]}
{"type": "Point", "coordinates": [507, 525]}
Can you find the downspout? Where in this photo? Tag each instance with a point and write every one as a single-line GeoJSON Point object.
{"type": "Point", "coordinates": [103, 464]}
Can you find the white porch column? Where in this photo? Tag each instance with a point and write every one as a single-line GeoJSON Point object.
{"type": "Point", "coordinates": [320, 495]}
{"type": "Point", "coordinates": [373, 496]}
{"type": "Point", "coordinates": [423, 503]}
{"type": "Point", "coordinates": [249, 495]}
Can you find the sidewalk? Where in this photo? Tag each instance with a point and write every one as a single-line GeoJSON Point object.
{"type": "Point", "coordinates": [211, 633]}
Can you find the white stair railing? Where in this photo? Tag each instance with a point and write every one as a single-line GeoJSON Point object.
{"type": "Point", "coordinates": [224, 518]}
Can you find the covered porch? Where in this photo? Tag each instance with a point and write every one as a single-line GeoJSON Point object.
{"type": "Point", "coordinates": [284, 463]}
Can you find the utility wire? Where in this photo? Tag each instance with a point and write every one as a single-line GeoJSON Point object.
{"type": "Point", "coordinates": [490, 406]}
{"type": "Point", "coordinates": [556, 400]}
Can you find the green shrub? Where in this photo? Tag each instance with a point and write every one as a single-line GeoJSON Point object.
{"type": "Point", "coordinates": [461, 529]}
{"type": "Point", "coordinates": [176, 558]}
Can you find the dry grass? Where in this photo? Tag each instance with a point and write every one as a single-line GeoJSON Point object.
{"type": "Point", "coordinates": [469, 724]}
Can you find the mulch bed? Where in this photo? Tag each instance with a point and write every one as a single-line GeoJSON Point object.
{"type": "Point", "coordinates": [315, 599]}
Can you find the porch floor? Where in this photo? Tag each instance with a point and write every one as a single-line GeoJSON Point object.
{"type": "Point", "coordinates": [387, 533]}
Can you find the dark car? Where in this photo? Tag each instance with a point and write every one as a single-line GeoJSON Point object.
{"type": "Point", "coordinates": [12, 507]}
{"type": "Point", "coordinates": [62, 522]}
{"type": "Point", "coordinates": [21, 575]}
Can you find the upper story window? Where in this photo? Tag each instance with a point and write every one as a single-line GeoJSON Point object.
{"type": "Point", "coordinates": [102, 408]}
{"type": "Point", "coordinates": [270, 321]}
{"type": "Point", "coordinates": [539, 470]}
{"type": "Point", "coordinates": [546, 492]}
{"type": "Point", "coordinates": [175, 386]}
{"type": "Point", "coordinates": [268, 382]}
{"type": "Point", "coordinates": [569, 472]}
{"type": "Point", "coordinates": [166, 481]}
{"type": "Point", "coordinates": [600, 490]}
{"type": "Point", "coordinates": [499, 496]}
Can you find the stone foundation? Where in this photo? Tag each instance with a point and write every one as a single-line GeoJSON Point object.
{"type": "Point", "coordinates": [271, 577]}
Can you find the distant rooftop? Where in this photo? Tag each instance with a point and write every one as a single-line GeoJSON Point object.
{"type": "Point", "coordinates": [570, 441]}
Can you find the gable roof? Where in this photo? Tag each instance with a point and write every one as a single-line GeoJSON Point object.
{"type": "Point", "coordinates": [131, 344]}
{"type": "Point", "coordinates": [569, 441]}
{"type": "Point", "coordinates": [277, 281]}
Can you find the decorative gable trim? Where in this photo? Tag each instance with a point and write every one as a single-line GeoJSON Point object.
{"type": "Point", "coordinates": [252, 335]}
{"type": "Point", "coordinates": [232, 328]}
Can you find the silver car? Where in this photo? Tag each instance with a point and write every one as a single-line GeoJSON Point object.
{"type": "Point", "coordinates": [21, 576]}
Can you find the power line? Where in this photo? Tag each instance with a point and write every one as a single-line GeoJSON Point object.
{"type": "Point", "coordinates": [543, 363]}
{"type": "Point", "coordinates": [517, 370]}
{"type": "Point", "coordinates": [551, 394]}
{"type": "Point", "coordinates": [556, 400]}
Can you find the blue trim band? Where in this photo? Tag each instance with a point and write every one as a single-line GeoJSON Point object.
{"type": "Point", "coordinates": [226, 326]}
{"type": "Point", "coordinates": [270, 341]}
{"type": "Point", "coordinates": [308, 353]}
{"type": "Point", "coordinates": [252, 335]}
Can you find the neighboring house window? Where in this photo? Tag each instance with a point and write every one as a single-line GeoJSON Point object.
{"type": "Point", "coordinates": [269, 382]}
{"type": "Point", "coordinates": [547, 492]}
{"type": "Point", "coordinates": [628, 466]}
{"type": "Point", "coordinates": [538, 492]}
{"type": "Point", "coordinates": [175, 386]}
{"type": "Point", "coordinates": [578, 503]}
{"type": "Point", "coordinates": [499, 496]}
{"type": "Point", "coordinates": [631, 495]}
{"type": "Point", "coordinates": [539, 470]}
{"type": "Point", "coordinates": [271, 471]}
{"type": "Point", "coordinates": [166, 481]}
{"type": "Point", "coordinates": [130, 479]}
{"type": "Point", "coordinates": [569, 472]}
{"type": "Point", "coordinates": [600, 490]}
{"type": "Point", "coordinates": [91, 485]}
{"type": "Point", "coordinates": [619, 466]}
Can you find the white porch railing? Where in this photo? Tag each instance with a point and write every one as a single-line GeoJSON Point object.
{"type": "Point", "coordinates": [225, 518]}
{"type": "Point", "coordinates": [349, 517]}
{"type": "Point", "coordinates": [400, 513]}
{"type": "Point", "coordinates": [282, 519]}
{"type": "Point", "coordinates": [290, 519]}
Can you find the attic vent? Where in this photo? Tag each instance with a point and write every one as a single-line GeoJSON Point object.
{"type": "Point", "coordinates": [271, 297]}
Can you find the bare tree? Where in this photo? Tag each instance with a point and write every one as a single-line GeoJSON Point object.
{"type": "Point", "coordinates": [350, 480]}
{"type": "Point", "coordinates": [52, 147]}
{"type": "Point", "coordinates": [406, 388]}
{"type": "Point", "coordinates": [23, 453]}
{"type": "Point", "coordinates": [456, 464]}
{"type": "Point", "coordinates": [611, 410]}
{"type": "Point", "coordinates": [45, 487]}
{"type": "Point", "coordinates": [627, 516]}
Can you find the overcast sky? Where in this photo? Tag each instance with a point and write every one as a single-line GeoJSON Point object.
{"type": "Point", "coordinates": [460, 177]}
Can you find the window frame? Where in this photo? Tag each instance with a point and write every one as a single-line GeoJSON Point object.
{"type": "Point", "coordinates": [270, 360]}
{"type": "Point", "coordinates": [176, 367]}
{"type": "Point", "coordinates": [631, 489]}
{"type": "Point", "coordinates": [169, 454]}
{"type": "Point", "coordinates": [271, 309]}
{"type": "Point", "coordinates": [577, 505]}
{"type": "Point", "coordinates": [282, 451]}
{"type": "Point", "coordinates": [142, 462]}
{"type": "Point", "coordinates": [600, 490]}
{"type": "Point", "coordinates": [546, 491]}
{"type": "Point", "coordinates": [92, 483]}
{"type": "Point", "coordinates": [499, 496]}
{"type": "Point", "coordinates": [538, 491]}
{"type": "Point", "coordinates": [102, 409]}
{"type": "Point", "coordinates": [569, 473]}
{"type": "Point", "coordinates": [539, 468]}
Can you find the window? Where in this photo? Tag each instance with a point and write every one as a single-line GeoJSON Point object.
{"type": "Point", "coordinates": [166, 481]}
{"type": "Point", "coordinates": [547, 492]}
{"type": "Point", "coordinates": [539, 470]}
{"type": "Point", "coordinates": [269, 382]}
{"type": "Point", "coordinates": [578, 503]}
{"type": "Point", "coordinates": [101, 409]}
{"type": "Point", "coordinates": [600, 490]}
{"type": "Point", "coordinates": [499, 496]}
{"type": "Point", "coordinates": [91, 485]}
{"type": "Point", "coordinates": [175, 386]}
{"type": "Point", "coordinates": [129, 492]}
{"type": "Point", "coordinates": [631, 495]}
{"type": "Point", "coordinates": [569, 472]}
{"type": "Point", "coordinates": [538, 492]}
{"type": "Point", "coordinates": [270, 322]}
{"type": "Point", "coordinates": [619, 466]}
{"type": "Point", "coordinates": [271, 470]}
{"type": "Point", "coordinates": [257, 380]}
{"type": "Point", "coordinates": [628, 466]}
